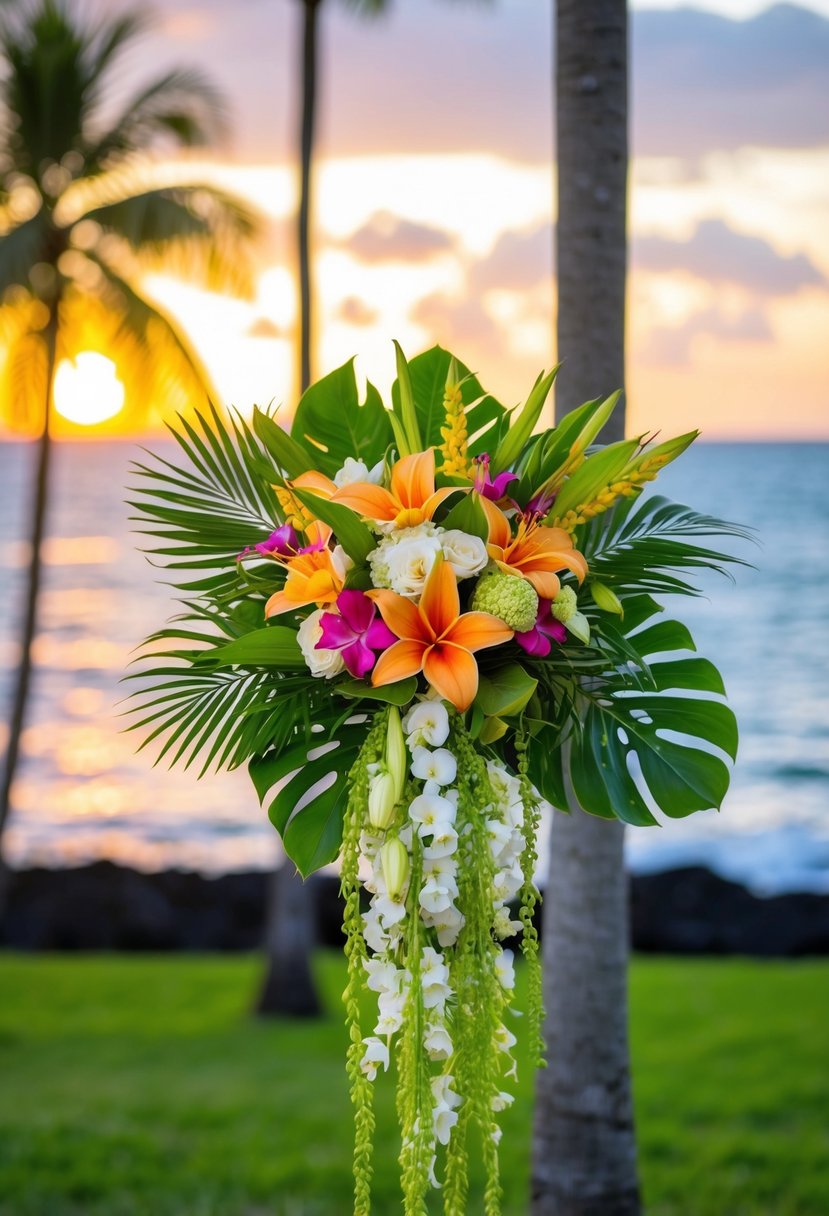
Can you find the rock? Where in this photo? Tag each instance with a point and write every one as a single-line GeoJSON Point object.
{"type": "Point", "coordinates": [108, 907]}
{"type": "Point", "coordinates": [693, 911]}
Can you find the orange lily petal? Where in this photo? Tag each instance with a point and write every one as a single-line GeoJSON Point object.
{"type": "Point", "coordinates": [413, 478]}
{"type": "Point", "coordinates": [316, 482]}
{"type": "Point", "coordinates": [477, 630]}
{"type": "Point", "coordinates": [453, 673]}
{"type": "Point", "coordinates": [401, 616]}
{"type": "Point", "coordinates": [321, 586]}
{"type": "Point", "coordinates": [439, 603]}
{"type": "Point", "coordinates": [546, 584]}
{"type": "Point", "coordinates": [318, 533]}
{"type": "Point", "coordinates": [278, 603]}
{"type": "Point", "coordinates": [434, 500]}
{"type": "Point", "coordinates": [499, 529]}
{"type": "Point", "coordinates": [403, 659]}
{"type": "Point", "coordinates": [373, 502]}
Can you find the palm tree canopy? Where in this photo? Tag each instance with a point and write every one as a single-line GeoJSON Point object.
{"type": "Point", "coordinates": [84, 212]}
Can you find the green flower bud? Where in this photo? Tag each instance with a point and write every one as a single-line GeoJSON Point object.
{"type": "Point", "coordinates": [396, 755]}
{"type": "Point", "coordinates": [606, 599]}
{"type": "Point", "coordinates": [509, 597]}
{"type": "Point", "coordinates": [564, 605]}
{"type": "Point", "coordinates": [381, 800]}
{"type": "Point", "coordinates": [579, 626]}
{"type": "Point", "coordinates": [395, 863]}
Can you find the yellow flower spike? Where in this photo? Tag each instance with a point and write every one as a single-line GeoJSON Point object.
{"type": "Point", "coordinates": [454, 431]}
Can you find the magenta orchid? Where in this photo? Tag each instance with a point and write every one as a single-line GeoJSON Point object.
{"type": "Point", "coordinates": [537, 641]}
{"type": "Point", "coordinates": [283, 542]}
{"type": "Point", "coordinates": [485, 485]}
{"type": "Point", "coordinates": [357, 632]}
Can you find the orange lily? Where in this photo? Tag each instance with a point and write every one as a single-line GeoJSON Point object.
{"type": "Point", "coordinates": [412, 499]}
{"type": "Point", "coordinates": [313, 575]}
{"type": "Point", "coordinates": [436, 637]}
{"type": "Point", "coordinates": [295, 512]}
{"type": "Point", "coordinates": [536, 552]}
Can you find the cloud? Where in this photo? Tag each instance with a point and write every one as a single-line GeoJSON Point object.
{"type": "Point", "coordinates": [354, 311]}
{"type": "Point", "coordinates": [388, 238]}
{"type": "Point", "coordinates": [719, 254]}
{"type": "Point", "coordinates": [264, 327]}
{"type": "Point", "coordinates": [519, 260]}
{"type": "Point", "coordinates": [672, 345]}
{"type": "Point", "coordinates": [431, 76]}
{"type": "Point", "coordinates": [703, 82]}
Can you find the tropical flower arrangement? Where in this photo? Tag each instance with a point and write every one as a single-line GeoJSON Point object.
{"type": "Point", "coordinates": [418, 626]}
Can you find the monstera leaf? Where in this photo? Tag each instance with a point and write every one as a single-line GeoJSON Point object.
{"type": "Point", "coordinates": [653, 738]}
{"type": "Point", "coordinates": [309, 807]}
{"type": "Point", "coordinates": [331, 423]}
{"type": "Point", "coordinates": [427, 373]}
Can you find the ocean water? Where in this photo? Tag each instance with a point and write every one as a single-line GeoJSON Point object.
{"type": "Point", "coordinates": [84, 793]}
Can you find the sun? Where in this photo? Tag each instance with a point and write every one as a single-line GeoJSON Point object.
{"type": "Point", "coordinates": [87, 389]}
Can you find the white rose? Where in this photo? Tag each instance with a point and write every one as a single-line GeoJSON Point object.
{"type": "Point", "coordinates": [410, 562]}
{"type": "Point", "coordinates": [357, 470]}
{"type": "Point", "coordinates": [325, 663]}
{"type": "Point", "coordinates": [466, 554]}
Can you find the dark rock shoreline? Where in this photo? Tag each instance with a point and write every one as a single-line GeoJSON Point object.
{"type": "Point", "coordinates": [108, 907]}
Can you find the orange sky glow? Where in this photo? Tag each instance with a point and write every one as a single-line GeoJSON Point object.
{"type": "Point", "coordinates": [729, 286]}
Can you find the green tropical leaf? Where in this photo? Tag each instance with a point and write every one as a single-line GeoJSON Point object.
{"type": "Point", "coordinates": [523, 423]}
{"type": "Point", "coordinates": [400, 693]}
{"type": "Point", "coordinates": [504, 691]}
{"type": "Point", "coordinates": [293, 458]}
{"type": "Point", "coordinates": [309, 808]}
{"type": "Point", "coordinates": [665, 746]}
{"type": "Point", "coordinates": [468, 516]}
{"type": "Point", "coordinates": [427, 373]}
{"type": "Point", "coordinates": [273, 646]}
{"type": "Point", "coordinates": [357, 540]}
{"type": "Point", "coordinates": [331, 424]}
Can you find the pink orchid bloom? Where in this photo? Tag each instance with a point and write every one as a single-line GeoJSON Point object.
{"type": "Point", "coordinates": [283, 542]}
{"type": "Point", "coordinates": [536, 641]}
{"type": "Point", "coordinates": [484, 484]}
{"type": "Point", "coordinates": [356, 632]}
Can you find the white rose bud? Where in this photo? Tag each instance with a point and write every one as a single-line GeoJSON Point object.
{"type": "Point", "coordinates": [323, 663]}
{"type": "Point", "coordinates": [466, 554]}
{"type": "Point", "coordinates": [410, 562]}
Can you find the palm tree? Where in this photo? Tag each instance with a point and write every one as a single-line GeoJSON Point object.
{"type": "Point", "coordinates": [83, 217]}
{"type": "Point", "coordinates": [308, 108]}
{"type": "Point", "coordinates": [584, 1152]}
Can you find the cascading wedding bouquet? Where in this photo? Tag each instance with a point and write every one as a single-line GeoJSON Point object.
{"type": "Point", "coordinates": [401, 617]}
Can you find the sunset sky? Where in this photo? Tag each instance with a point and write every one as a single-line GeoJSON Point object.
{"type": "Point", "coordinates": [435, 194]}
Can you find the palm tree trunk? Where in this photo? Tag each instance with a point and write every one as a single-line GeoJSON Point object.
{"type": "Point", "coordinates": [40, 500]}
{"type": "Point", "coordinates": [309, 101]}
{"type": "Point", "coordinates": [289, 990]}
{"type": "Point", "coordinates": [584, 1147]}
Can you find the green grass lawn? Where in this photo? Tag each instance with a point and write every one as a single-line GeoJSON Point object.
{"type": "Point", "coordinates": [134, 1086]}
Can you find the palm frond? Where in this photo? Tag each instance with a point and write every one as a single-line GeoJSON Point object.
{"type": "Point", "coordinates": [644, 546]}
{"type": "Point", "coordinates": [206, 512]}
{"type": "Point", "coordinates": [181, 105]}
{"type": "Point", "coordinates": [21, 248]}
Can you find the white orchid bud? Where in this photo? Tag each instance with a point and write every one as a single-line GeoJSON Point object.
{"type": "Point", "coordinates": [395, 862]}
{"type": "Point", "coordinates": [396, 754]}
{"type": "Point", "coordinates": [381, 801]}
